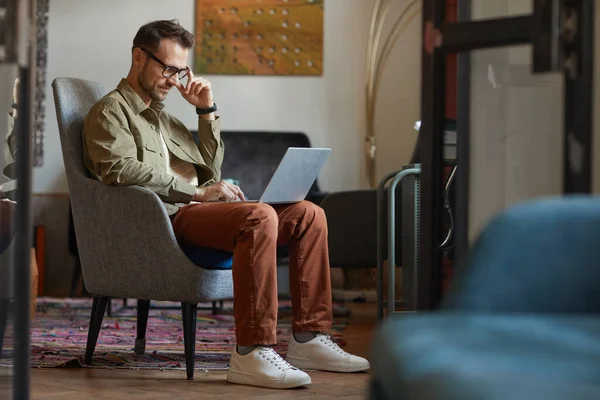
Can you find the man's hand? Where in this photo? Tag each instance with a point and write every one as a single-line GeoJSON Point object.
{"type": "Point", "coordinates": [16, 91]}
{"type": "Point", "coordinates": [15, 95]}
{"type": "Point", "coordinates": [221, 191]}
{"type": "Point", "coordinates": [197, 91]}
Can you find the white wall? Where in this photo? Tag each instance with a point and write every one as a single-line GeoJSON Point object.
{"type": "Point", "coordinates": [399, 100]}
{"type": "Point", "coordinates": [92, 40]}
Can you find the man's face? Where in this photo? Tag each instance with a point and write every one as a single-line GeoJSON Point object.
{"type": "Point", "coordinates": [151, 78]}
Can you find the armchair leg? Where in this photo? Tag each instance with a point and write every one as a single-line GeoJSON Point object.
{"type": "Point", "coordinates": [76, 278]}
{"type": "Point", "coordinates": [189, 312]}
{"type": "Point", "coordinates": [215, 308]}
{"type": "Point", "coordinates": [98, 310]}
{"type": "Point", "coordinates": [109, 308]}
{"type": "Point", "coordinates": [143, 309]}
{"type": "Point", "coordinates": [3, 319]}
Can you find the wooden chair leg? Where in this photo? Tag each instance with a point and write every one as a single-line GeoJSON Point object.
{"type": "Point", "coordinates": [98, 310]}
{"type": "Point", "coordinates": [189, 313]}
{"type": "Point", "coordinates": [143, 309]}
{"type": "Point", "coordinates": [3, 319]}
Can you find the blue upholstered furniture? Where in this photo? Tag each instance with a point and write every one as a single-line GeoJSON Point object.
{"type": "Point", "coordinates": [125, 239]}
{"type": "Point", "coordinates": [522, 320]}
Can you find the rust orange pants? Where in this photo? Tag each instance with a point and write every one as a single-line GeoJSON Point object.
{"type": "Point", "coordinates": [252, 231]}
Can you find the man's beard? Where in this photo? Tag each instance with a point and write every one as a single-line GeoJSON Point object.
{"type": "Point", "coordinates": [152, 92]}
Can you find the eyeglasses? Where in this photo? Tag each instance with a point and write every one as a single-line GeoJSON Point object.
{"type": "Point", "coordinates": [169, 70]}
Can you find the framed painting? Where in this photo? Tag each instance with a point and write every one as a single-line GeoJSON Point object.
{"type": "Point", "coordinates": [259, 37]}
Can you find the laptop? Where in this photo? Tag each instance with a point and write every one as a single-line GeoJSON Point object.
{"type": "Point", "coordinates": [294, 176]}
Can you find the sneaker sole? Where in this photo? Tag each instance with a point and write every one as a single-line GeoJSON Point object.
{"type": "Point", "coordinates": [251, 380]}
{"type": "Point", "coordinates": [304, 363]}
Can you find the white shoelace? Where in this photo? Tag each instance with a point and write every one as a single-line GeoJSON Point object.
{"type": "Point", "coordinates": [271, 355]}
{"type": "Point", "coordinates": [326, 339]}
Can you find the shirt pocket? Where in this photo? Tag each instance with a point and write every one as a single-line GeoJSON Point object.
{"type": "Point", "coordinates": [148, 151]}
{"type": "Point", "coordinates": [185, 149]}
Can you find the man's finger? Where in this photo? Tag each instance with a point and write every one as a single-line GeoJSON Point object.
{"type": "Point", "coordinates": [191, 87]}
{"type": "Point", "coordinates": [16, 90]}
{"type": "Point", "coordinates": [239, 194]}
{"type": "Point", "coordinates": [226, 194]}
{"type": "Point", "coordinates": [199, 88]}
{"type": "Point", "coordinates": [190, 82]}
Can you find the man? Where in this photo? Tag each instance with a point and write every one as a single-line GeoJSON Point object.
{"type": "Point", "coordinates": [8, 189]}
{"type": "Point", "coordinates": [130, 140]}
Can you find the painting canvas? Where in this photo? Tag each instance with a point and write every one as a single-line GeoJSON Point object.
{"type": "Point", "coordinates": [259, 37]}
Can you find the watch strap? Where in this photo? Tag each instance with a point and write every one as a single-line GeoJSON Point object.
{"type": "Point", "coordinates": [201, 111]}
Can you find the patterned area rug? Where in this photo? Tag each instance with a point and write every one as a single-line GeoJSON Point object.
{"type": "Point", "coordinates": [59, 335]}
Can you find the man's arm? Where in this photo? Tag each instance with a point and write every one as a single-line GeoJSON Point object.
{"type": "Point", "coordinates": [112, 153]}
{"type": "Point", "coordinates": [9, 189]}
{"type": "Point", "coordinates": [10, 149]}
{"type": "Point", "coordinates": [210, 143]}
{"type": "Point", "coordinates": [10, 145]}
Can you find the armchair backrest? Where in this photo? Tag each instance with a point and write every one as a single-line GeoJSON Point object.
{"type": "Point", "coordinates": [74, 98]}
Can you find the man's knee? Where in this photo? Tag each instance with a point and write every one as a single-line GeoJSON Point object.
{"type": "Point", "coordinates": [312, 213]}
{"type": "Point", "coordinates": [262, 216]}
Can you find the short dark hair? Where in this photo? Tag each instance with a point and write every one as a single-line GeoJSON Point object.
{"type": "Point", "coordinates": [150, 35]}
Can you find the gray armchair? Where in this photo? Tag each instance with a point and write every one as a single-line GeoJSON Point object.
{"type": "Point", "coordinates": [125, 239]}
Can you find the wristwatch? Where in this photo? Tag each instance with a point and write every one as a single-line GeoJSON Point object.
{"type": "Point", "coordinates": [201, 111]}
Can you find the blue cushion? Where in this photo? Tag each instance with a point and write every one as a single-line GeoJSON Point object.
{"type": "Point", "coordinates": [207, 258]}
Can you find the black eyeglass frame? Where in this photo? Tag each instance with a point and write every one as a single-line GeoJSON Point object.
{"type": "Point", "coordinates": [164, 72]}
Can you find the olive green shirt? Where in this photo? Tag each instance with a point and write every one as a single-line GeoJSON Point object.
{"type": "Point", "coordinates": [122, 146]}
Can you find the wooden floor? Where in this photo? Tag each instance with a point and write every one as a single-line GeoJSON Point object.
{"type": "Point", "coordinates": [78, 383]}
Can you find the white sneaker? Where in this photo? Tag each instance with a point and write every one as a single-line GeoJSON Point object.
{"type": "Point", "coordinates": [265, 368]}
{"type": "Point", "coordinates": [323, 354]}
